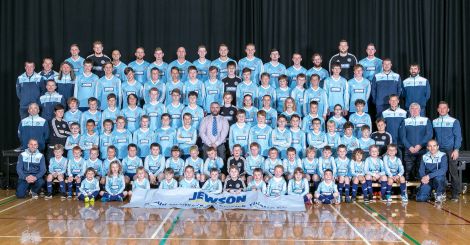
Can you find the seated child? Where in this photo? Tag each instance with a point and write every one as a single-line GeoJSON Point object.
{"type": "Point", "coordinates": [115, 184]}
{"type": "Point", "coordinates": [213, 185]}
{"type": "Point", "coordinates": [169, 182]}
{"type": "Point", "coordinates": [154, 164]}
{"type": "Point", "coordinates": [89, 188]}
{"type": "Point", "coordinates": [327, 193]}
{"type": "Point", "coordinates": [189, 181]}
{"type": "Point", "coordinates": [277, 184]}
{"type": "Point", "coordinates": [299, 186]}
{"type": "Point", "coordinates": [375, 171]}
{"type": "Point", "coordinates": [291, 162]}
{"type": "Point", "coordinates": [394, 171]}
{"type": "Point", "coordinates": [233, 183]}
{"type": "Point", "coordinates": [253, 161]}
{"type": "Point", "coordinates": [57, 170]}
{"type": "Point", "coordinates": [358, 173]}
{"type": "Point", "coordinates": [140, 181]}
{"type": "Point", "coordinates": [257, 183]}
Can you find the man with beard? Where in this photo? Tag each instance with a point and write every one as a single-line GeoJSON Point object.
{"type": "Point", "coordinates": [213, 131]}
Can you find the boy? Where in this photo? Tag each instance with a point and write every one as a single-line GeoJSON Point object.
{"type": "Point", "coordinates": [265, 89]}
{"type": "Point", "coordinates": [348, 138]}
{"type": "Point", "coordinates": [213, 185]}
{"type": "Point", "coordinates": [111, 112]}
{"type": "Point", "coordinates": [154, 164]}
{"type": "Point", "coordinates": [130, 163]}
{"type": "Point", "coordinates": [49, 100]}
{"type": "Point", "coordinates": [261, 133]}
{"type": "Point", "coordinates": [196, 162]}
{"type": "Point", "coordinates": [298, 93]}
{"type": "Point", "coordinates": [310, 166]}
{"type": "Point", "coordinates": [89, 187]}
{"type": "Point", "coordinates": [85, 84]}
{"type": "Point", "coordinates": [75, 170]}
{"type": "Point", "coordinates": [92, 113]}
{"type": "Point", "coordinates": [250, 110]}
{"type": "Point", "coordinates": [186, 135]}
{"type": "Point", "coordinates": [253, 161]}
{"type": "Point", "coordinates": [58, 130]}
{"type": "Point", "coordinates": [143, 137]}
{"type": "Point", "coordinates": [57, 170]}
{"type": "Point", "coordinates": [239, 133]}
{"type": "Point", "coordinates": [73, 114]}
{"type": "Point", "coordinates": [281, 138]}
{"type": "Point", "coordinates": [228, 110]}
{"type": "Point", "coordinates": [339, 120]}
{"type": "Point", "coordinates": [131, 86]}
{"type": "Point", "coordinates": [89, 139]}
{"type": "Point", "coordinates": [193, 85]}
{"type": "Point", "coordinates": [375, 171]}
{"type": "Point", "coordinates": [212, 161]}
{"type": "Point", "coordinates": [175, 162]}
{"type": "Point", "coordinates": [327, 192]}
{"type": "Point", "coordinates": [326, 161]}
{"type": "Point", "coordinates": [194, 110]}
{"type": "Point", "coordinates": [246, 87]}
{"type": "Point", "coordinates": [316, 137]}
{"type": "Point", "coordinates": [358, 173]}
{"type": "Point", "coordinates": [214, 89]}
{"type": "Point", "coordinates": [295, 70]}
{"type": "Point", "coordinates": [298, 185]}
{"type": "Point", "coordinates": [307, 125]}
{"type": "Point", "coordinates": [175, 109]}
{"type": "Point", "coordinates": [277, 185]}
{"type": "Point", "coordinates": [189, 181]}
{"type": "Point", "coordinates": [291, 163]}
{"type": "Point", "coordinates": [237, 160]}
{"type": "Point", "coordinates": [95, 163]}
{"type": "Point", "coordinates": [252, 62]}
{"type": "Point", "coordinates": [231, 81]}
{"type": "Point", "coordinates": [381, 138]}
{"type": "Point", "coordinates": [299, 139]}
{"type": "Point", "coordinates": [394, 171]}
{"type": "Point", "coordinates": [282, 93]}
{"type": "Point", "coordinates": [72, 140]}
{"type": "Point", "coordinates": [169, 182]}
{"type": "Point", "coordinates": [166, 135]}
{"type": "Point", "coordinates": [154, 82]}
{"type": "Point", "coordinates": [336, 88]}
{"type": "Point", "coordinates": [342, 168]}
{"type": "Point", "coordinates": [359, 88]}
{"type": "Point", "coordinates": [270, 164]}
{"type": "Point", "coordinates": [315, 93]}
{"type": "Point", "coordinates": [332, 136]}
{"type": "Point", "coordinates": [106, 138]}
{"type": "Point", "coordinates": [202, 64]}
{"type": "Point", "coordinates": [75, 59]}
{"type": "Point", "coordinates": [365, 141]}
{"type": "Point", "coordinates": [154, 109]}
{"type": "Point", "coordinates": [121, 137]}
{"type": "Point", "coordinates": [270, 113]}
{"type": "Point", "coordinates": [360, 118]}
{"type": "Point", "coordinates": [233, 183]}
{"type": "Point", "coordinates": [109, 84]}
{"type": "Point", "coordinates": [159, 64]}
{"type": "Point", "coordinates": [173, 84]}
{"type": "Point", "coordinates": [132, 113]}
{"type": "Point", "coordinates": [257, 184]}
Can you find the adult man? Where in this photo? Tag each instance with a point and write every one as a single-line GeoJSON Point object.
{"type": "Point", "coordinates": [98, 58]}
{"type": "Point", "coordinates": [33, 127]}
{"type": "Point", "coordinates": [213, 131]}
{"type": "Point", "coordinates": [394, 116]}
{"type": "Point", "coordinates": [47, 73]}
{"type": "Point", "coordinates": [449, 137]}
{"type": "Point", "coordinates": [158, 63]}
{"type": "Point", "coordinates": [415, 132]}
{"type": "Point", "coordinates": [139, 65]}
{"type": "Point", "coordinates": [274, 68]}
{"type": "Point", "coordinates": [416, 89]}
{"type": "Point", "coordinates": [181, 63]}
{"type": "Point", "coordinates": [222, 62]}
{"type": "Point", "coordinates": [345, 59]}
{"type": "Point", "coordinates": [372, 65]}
{"type": "Point", "coordinates": [30, 168]}
{"type": "Point", "coordinates": [28, 88]}
{"type": "Point", "coordinates": [432, 171]}
{"type": "Point", "coordinates": [295, 70]}
{"type": "Point", "coordinates": [254, 63]}
{"type": "Point", "coordinates": [383, 85]}
{"type": "Point", "coordinates": [75, 59]}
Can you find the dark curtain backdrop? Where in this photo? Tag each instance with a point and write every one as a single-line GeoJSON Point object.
{"type": "Point", "coordinates": [434, 33]}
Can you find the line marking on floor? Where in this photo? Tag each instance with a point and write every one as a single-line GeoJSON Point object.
{"type": "Point", "coordinates": [380, 222]}
{"type": "Point", "coordinates": [350, 225]}
{"type": "Point", "coordinates": [450, 212]}
{"type": "Point", "coordinates": [161, 224]}
{"type": "Point", "coordinates": [168, 232]}
{"type": "Point", "coordinates": [6, 198]}
{"type": "Point", "coordinates": [16, 205]}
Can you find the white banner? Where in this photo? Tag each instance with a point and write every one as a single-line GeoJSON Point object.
{"type": "Point", "coordinates": [196, 198]}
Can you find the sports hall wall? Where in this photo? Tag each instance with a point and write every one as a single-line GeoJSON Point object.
{"type": "Point", "coordinates": [434, 33]}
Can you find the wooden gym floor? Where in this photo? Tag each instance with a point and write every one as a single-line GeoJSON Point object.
{"type": "Point", "coordinates": [56, 221]}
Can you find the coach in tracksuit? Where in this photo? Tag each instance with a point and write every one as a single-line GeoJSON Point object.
{"type": "Point", "coordinates": [31, 168]}
{"type": "Point", "coordinates": [449, 137]}
{"type": "Point", "coordinates": [415, 132]}
{"type": "Point", "coordinates": [383, 85]}
{"type": "Point", "coordinates": [432, 170]}
{"type": "Point", "coordinates": [28, 88]}
{"type": "Point", "coordinates": [33, 127]}
{"type": "Point", "coordinates": [416, 89]}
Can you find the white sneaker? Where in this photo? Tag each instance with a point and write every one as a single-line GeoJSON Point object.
{"type": "Point", "coordinates": [34, 195]}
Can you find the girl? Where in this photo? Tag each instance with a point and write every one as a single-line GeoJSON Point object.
{"type": "Point", "coordinates": [115, 184]}
{"type": "Point", "coordinates": [358, 174]}
{"type": "Point", "coordinates": [338, 119]}
{"type": "Point", "coordinates": [299, 186]}
{"type": "Point", "coordinates": [289, 109]}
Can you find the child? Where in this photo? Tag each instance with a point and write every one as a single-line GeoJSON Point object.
{"type": "Point", "coordinates": [132, 113]}
{"type": "Point", "coordinates": [299, 186]}
{"type": "Point", "coordinates": [214, 89]}
{"type": "Point", "coordinates": [246, 87]}
{"type": "Point", "coordinates": [316, 137]}
{"type": "Point", "coordinates": [174, 84]}
{"type": "Point", "coordinates": [49, 100]}
{"type": "Point", "coordinates": [250, 110]}
{"type": "Point", "coordinates": [265, 89]}
{"type": "Point", "coordinates": [57, 170]}
{"type": "Point", "coordinates": [327, 193]}
{"type": "Point", "coordinates": [143, 137]}
{"type": "Point", "coordinates": [360, 118]}
{"type": "Point", "coordinates": [270, 164]}
{"type": "Point", "coordinates": [359, 88]}
{"type": "Point", "coordinates": [381, 138]}
{"type": "Point", "coordinates": [132, 86]}
{"type": "Point", "coordinates": [358, 173]}
{"type": "Point", "coordinates": [336, 89]}
{"type": "Point", "coordinates": [233, 184]}
{"type": "Point", "coordinates": [298, 93]}
{"type": "Point", "coordinates": [72, 140]}
{"type": "Point", "coordinates": [257, 183]}
{"type": "Point", "coordinates": [261, 133]}
{"type": "Point", "coordinates": [289, 109]}
{"type": "Point", "coordinates": [212, 161]}
{"type": "Point", "coordinates": [310, 167]}
{"type": "Point", "coordinates": [338, 119]}
{"type": "Point", "coordinates": [193, 84]}
{"type": "Point", "coordinates": [213, 185]}
{"type": "Point", "coordinates": [307, 125]}
{"type": "Point", "coordinates": [73, 115]}
{"type": "Point", "coordinates": [394, 171]}
{"type": "Point", "coordinates": [271, 113]}
{"type": "Point", "coordinates": [111, 156]}
{"type": "Point", "coordinates": [332, 137]}
{"type": "Point", "coordinates": [89, 188]}
{"type": "Point", "coordinates": [343, 174]}
{"type": "Point", "coordinates": [196, 162]}
{"type": "Point", "coordinates": [228, 110]}
{"type": "Point", "coordinates": [108, 84]}
{"type": "Point", "coordinates": [365, 141]}
{"type": "Point", "coordinates": [175, 109]}
{"type": "Point", "coordinates": [112, 111]}
{"type": "Point", "coordinates": [95, 163]}
{"type": "Point", "coordinates": [89, 139]}
{"type": "Point", "coordinates": [154, 83]}
{"type": "Point", "coordinates": [230, 80]}
{"type": "Point", "coordinates": [281, 137]}
{"type": "Point", "coordinates": [317, 94]}
{"type": "Point", "coordinates": [237, 160]}
{"type": "Point", "coordinates": [189, 181]}
{"type": "Point", "coordinates": [154, 109]}
{"type": "Point", "coordinates": [92, 113]}
{"type": "Point", "coordinates": [374, 168]}
{"type": "Point", "coordinates": [253, 161]}
{"type": "Point", "coordinates": [186, 135]}
{"type": "Point", "coordinates": [166, 135]}
{"type": "Point", "coordinates": [326, 162]}
{"type": "Point", "coordinates": [348, 138]}
{"type": "Point", "coordinates": [291, 163]}
{"type": "Point", "coordinates": [282, 93]}
{"type": "Point", "coordinates": [193, 109]}
{"type": "Point", "coordinates": [130, 163]}
{"type": "Point", "coordinates": [154, 164]}
{"type": "Point", "coordinates": [75, 170]}
{"type": "Point", "coordinates": [140, 182]}
{"type": "Point", "coordinates": [299, 139]}
{"type": "Point", "coordinates": [175, 162]}
{"type": "Point", "coordinates": [121, 137]}
{"type": "Point", "coordinates": [169, 182]}
{"type": "Point", "coordinates": [85, 84]}
{"type": "Point", "coordinates": [277, 185]}
{"type": "Point", "coordinates": [115, 184]}
{"type": "Point", "coordinates": [239, 132]}
{"type": "Point", "coordinates": [106, 138]}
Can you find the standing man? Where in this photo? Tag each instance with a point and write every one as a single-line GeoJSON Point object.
{"type": "Point", "coordinates": [214, 131]}
{"type": "Point", "coordinates": [274, 68]}
{"type": "Point", "coordinates": [372, 65]}
{"type": "Point", "coordinates": [139, 65]}
{"type": "Point", "coordinates": [222, 62]}
{"type": "Point", "coordinates": [345, 59]}
{"type": "Point", "coordinates": [181, 63]}
{"type": "Point", "coordinates": [383, 85]}
{"type": "Point", "coordinates": [47, 73]}
{"type": "Point", "coordinates": [31, 168]}
{"type": "Point", "coordinates": [295, 70]}
{"type": "Point", "coordinates": [158, 63]}
{"type": "Point", "coordinates": [98, 58]}
{"type": "Point", "coordinates": [449, 137]}
{"type": "Point", "coordinates": [415, 132]}
{"type": "Point", "coordinates": [394, 116]}
{"type": "Point", "coordinates": [251, 61]}
{"type": "Point", "coordinates": [28, 88]}
{"type": "Point", "coordinates": [416, 89]}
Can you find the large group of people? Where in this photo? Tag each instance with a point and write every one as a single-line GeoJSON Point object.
{"type": "Point", "coordinates": [102, 128]}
